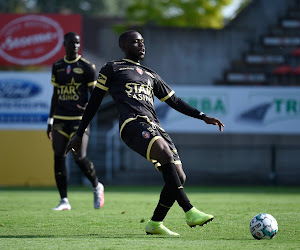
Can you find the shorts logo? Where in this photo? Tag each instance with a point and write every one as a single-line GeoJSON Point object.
{"type": "Point", "coordinates": [146, 134]}
{"type": "Point", "coordinates": [140, 71]}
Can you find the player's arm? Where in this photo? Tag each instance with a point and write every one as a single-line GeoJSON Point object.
{"type": "Point", "coordinates": [51, 113]}
{"type": "Point", "coordinates": [184, 108]}
{"type": "Point", "coordinates": [53, 101]}
{"type": "Point", "coordinates": [90, 111]}
{"type": "Point", "coordinates": [92, 107]}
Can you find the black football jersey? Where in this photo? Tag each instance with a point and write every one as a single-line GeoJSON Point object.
{"type": "Point", "coordinates": [72, 80]}
{"type": "Point", "coordinates": [133, 87]}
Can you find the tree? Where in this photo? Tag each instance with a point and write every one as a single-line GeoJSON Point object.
{"type": "Point", "coordinates": [109, 8]}
{"type": "Point", "coordinates": [179, 13]}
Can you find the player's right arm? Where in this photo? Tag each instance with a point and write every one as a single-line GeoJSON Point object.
{"type": "Point", "coordinates": [51, 113]}
{"type": "Point", "coordinates": [92, 107]}
{"type": "Point", "coordinates": [53, 102]}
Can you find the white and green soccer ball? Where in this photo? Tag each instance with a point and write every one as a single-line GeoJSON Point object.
{"type": "Point", "coordinates": [263, 226]}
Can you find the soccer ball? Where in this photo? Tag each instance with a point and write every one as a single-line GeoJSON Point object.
{"type": "Point", "coordinates": [263, 226]}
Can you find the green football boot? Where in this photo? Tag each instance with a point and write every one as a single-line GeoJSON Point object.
{"type": "Point", "coordinates": [195, 217]}
{"type": "Point", "coordinates": [157, 227]}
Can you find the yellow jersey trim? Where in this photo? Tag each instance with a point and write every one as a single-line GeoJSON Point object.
{"type": "Point", "coordinates": [101, 87]}
{"type": "Point", "coordinates": [55, 84]}
{"type": "Point", "coordinates": [128, 60]}
{"type": "Point", "coordinates": [92, 83]}
{"type": "Point", "coordinates": [69, 118]}
{"type": "Point", "coordinates": [77, 59]}
{"type": "Point", "coordinates": [168, 96]}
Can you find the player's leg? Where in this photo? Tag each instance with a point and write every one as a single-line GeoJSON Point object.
{"type": "Point", "coordinates": [173, 186]}
{"type": "Point", "coordinates": [174, 177]}
{"type": "Point", "coordinates": [139, 136]}
{"type": "Point", "coordinates": [88, 169]}
{"type": "Point", "coordinates": [166, 199]}
{"type": "Point", "coordinates": [59, 143]}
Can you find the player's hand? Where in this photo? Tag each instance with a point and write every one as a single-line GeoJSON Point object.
{"type": "Point", "coordinates": [74, 144]}
{"type": "Point", "coordinates": [82, 108]}
{"type": "Point", "coordinates": [214, 121]}
{"type": "Point", "coordinates": [49, 131]}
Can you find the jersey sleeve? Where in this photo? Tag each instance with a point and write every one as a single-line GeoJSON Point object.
{"type": "Point", "coordinates": [161, 89]}
{"type": "Point", "coordinates": [105, 76]}
{"type": "Point", "coordinates": [91, 75]}
{"type": "Point", "coordinates": [53, 76]}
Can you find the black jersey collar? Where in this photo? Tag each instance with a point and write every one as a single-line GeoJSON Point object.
{"type": "Point", "coordinates": [128, 60]}
{"type": "Point", "coordinates": [65, 59]}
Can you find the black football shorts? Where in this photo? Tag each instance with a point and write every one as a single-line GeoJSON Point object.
{"type": "Point", "coordinates": [139, 135]}
{"type": "Point", "coordinates": [68, 127]}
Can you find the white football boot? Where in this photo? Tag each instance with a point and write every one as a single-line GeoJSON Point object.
{"type": "Point", "coordinates": [63, 205]}
{"type": "Point", "coordinates": [99, 196]}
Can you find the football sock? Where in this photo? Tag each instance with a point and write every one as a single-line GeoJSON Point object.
{"type": "Point", "coordinates": [165, 203]}
{"type": "Point", "coordinates": [174, 187]}
{"type": "Point", "coordinates": [87, 167]}
{"type": "Point", "coordinates": [60, 171]}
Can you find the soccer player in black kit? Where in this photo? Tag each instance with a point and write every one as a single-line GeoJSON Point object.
{"type": "Point", "coordinates": [73, 77]}
{"type": "Point", "coordinates": [133, 88]}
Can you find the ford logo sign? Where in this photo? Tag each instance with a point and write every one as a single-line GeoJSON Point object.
{"type": "Point", "coordinates": [16, 88]}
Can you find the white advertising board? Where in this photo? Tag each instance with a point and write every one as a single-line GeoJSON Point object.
{"type": "Point", "coordinates": [25, 99]}
{"type": "Point", "coordinates": [265, 110]}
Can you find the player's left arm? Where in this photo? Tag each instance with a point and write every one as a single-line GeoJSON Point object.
{"type": "Point", "coordinates": [184, 108]}
{"type": "Point", "coordinates": [163, 92]}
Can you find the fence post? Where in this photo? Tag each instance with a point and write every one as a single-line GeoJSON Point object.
{"type": "Point", "coordinates": [273, 176]}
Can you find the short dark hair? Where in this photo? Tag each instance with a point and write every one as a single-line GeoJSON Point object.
{"type": "Point", "coordinates": [70, 34]}
{"type": "Point", "coordinates": [124, 36]}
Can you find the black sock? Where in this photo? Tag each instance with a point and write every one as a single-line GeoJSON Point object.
{"type": "Point", "coordinates": [87, 167]}
{"type": "Point", "coordinates": [166, 201]}
{"type": "Point", "coordinates": [174, 186]}
{"type": "Point", "coordinates": [60, 171]}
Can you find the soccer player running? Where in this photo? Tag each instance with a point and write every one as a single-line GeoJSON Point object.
{"type": "Point", "coordinates": [133, 88]}
{"type": "Point", "coordinates": [73, 77]}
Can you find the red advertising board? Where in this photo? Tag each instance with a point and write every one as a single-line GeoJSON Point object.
{"type": "Point", "coordinates": [34, 39]}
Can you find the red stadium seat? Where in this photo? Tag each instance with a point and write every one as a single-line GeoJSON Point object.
{"type": "Point", "coordinates": [283, 70]}
{"type": "Point", "coordinates": [296, 70]}
{"type": "Point", "coordinates": [295, 52]}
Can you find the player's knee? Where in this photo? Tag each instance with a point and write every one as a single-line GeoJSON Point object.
{"type": "Point", "coordinates": [181, 174]}
{"type": "Point", "coordinates": [80, 161]}
{"type": "Point", "coordinates": [86, 166]}
{"type": "Point", "coordinates": [60, 165]}
{"type": "Point", "coordinates": [182, 177]}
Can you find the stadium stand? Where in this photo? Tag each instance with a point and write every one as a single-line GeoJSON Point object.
{"type": "Point", "coordinates": [274, 59]}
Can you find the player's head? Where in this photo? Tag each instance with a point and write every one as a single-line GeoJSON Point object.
{"type": "Point", "coordinates": [71, 43]}
{"type": "Point", "coordinates": [132, 44]}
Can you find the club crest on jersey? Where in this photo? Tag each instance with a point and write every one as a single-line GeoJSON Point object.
{"type": "Point", "coordinates": [146, 134]}
{"type": "Point", "coordinates": [68, 69]}
{"type": "Point", "coordinates": [140, 71]}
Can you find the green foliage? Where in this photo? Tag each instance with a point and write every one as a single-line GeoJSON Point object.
{"type": "Point", "coordinates": [89, 7]}
{"type": "Point", "coordinates": [177, 13]}
{"type": "Point", "coordinates": [27, 222]}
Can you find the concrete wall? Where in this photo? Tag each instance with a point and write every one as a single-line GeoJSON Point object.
{"type": "Point", "coordinates": [189, 56]}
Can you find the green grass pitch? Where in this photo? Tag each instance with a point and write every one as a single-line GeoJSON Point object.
{"type": "Point", "coordinates": [27, 221]}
